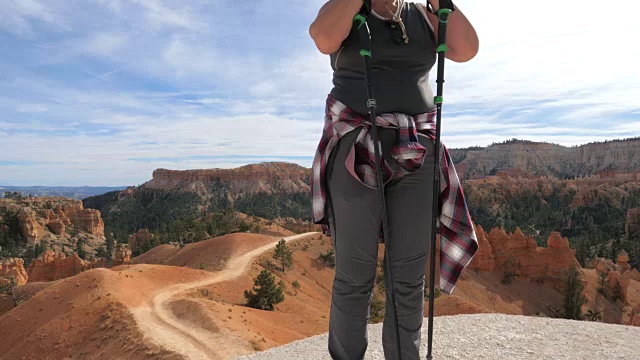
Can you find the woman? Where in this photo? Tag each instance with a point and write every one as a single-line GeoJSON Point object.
{"type": "Point", "coordinates": [346, 202]}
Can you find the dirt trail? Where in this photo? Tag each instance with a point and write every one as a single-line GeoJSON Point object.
{"type": "Point", "coordinates": [163, 328]}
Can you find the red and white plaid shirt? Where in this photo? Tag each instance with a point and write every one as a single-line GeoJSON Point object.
{"type": "Point", "coordinates": [458, 241]}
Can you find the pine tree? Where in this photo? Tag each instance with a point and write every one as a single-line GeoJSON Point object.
{"type": "Point", "coordinates": [80, 249]}
{"type": "Point", "coordinates": [296, 285]}
{"type": "Point", "coordinates": [283, 254]}
{"type": "Point", "coordinates": [329, 258]}
{"type": "Point", "coordinates": [573, 297]}
{"type": "Point", "coordinates": [617, 291]}
{"type": "Point", "coordinates": [601, 278]}
{"type": "Point", "coordinates": [265, 292]}
{"type": "Point", "coordinates": [109, 252]}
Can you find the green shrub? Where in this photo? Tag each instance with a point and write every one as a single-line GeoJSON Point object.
{"type": "Point", "coordinates": [265, 292]}
{"type": "Point", "coordinates": [329, 258]}
{"type": "Point", "coordinates": [283, 254]}
{"type": "Point", "coordinates": [573, 298]}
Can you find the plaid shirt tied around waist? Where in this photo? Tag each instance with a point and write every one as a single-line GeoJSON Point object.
{"type": "Point", "coordinates": [458, 241]}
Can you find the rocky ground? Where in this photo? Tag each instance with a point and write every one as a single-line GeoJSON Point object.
{"type": "Point", "coordinates": [492, 336]}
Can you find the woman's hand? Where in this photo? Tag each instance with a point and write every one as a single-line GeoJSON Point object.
{"type": "Point", "coordinates": [462, 40]}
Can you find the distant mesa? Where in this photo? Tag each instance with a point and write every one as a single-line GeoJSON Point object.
{"type": "Point", "coordinates": [263, 177]}
{"type": "Point", "coordinates": [527, 158]}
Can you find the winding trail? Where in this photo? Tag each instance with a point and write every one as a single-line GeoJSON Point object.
{"type": "Point", "coordinates": [159, 324]}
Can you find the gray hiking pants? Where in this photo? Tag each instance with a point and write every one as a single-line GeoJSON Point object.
{"type": "Point", "coordinates": [354, 212]}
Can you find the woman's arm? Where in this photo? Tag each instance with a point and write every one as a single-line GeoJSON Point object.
{"type": "Point", "coordinates": [333, 24]}
{"type": "Point", "coordinates": [462, 40]}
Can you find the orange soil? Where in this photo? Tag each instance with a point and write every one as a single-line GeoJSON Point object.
{"type": "Point", "coordinates": [86, 315]}
{"type": "Point", "coordinates": [209, 254]}
{"type": "Point", "coordinates": [297, 317]}
{"type": "Point", "coordinates": [271, 230]}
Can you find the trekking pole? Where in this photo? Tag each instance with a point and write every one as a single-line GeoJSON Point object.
{"type": "Point", "coordinates": [443, 17]}
{"type": "Point", "coordinates": [360, 22]}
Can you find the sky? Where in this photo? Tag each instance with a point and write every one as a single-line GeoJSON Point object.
{"type": "Point", "coordinates": [102, 92]}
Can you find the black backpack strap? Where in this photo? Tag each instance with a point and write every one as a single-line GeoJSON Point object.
{"type": "Point", "coordinates": [366, 8]}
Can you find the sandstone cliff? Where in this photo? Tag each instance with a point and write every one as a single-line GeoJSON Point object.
{"type": "Point", "coordinates": [548, 159]}
{"type": "Point", "coordinates": [50, 266]}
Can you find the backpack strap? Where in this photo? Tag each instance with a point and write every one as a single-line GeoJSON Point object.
{"type": "Point", "coordinates": [366, 8]}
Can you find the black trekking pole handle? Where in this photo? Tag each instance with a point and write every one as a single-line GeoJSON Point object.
{"type": "Point", "coordinates": [446, 7]}
{"type": "Point", "coordinates": [360, 22]}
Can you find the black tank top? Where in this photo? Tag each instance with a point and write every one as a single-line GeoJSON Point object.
{"type": "Point", "coordinates": [400, 72]}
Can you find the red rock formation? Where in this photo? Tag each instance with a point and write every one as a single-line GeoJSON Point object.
{"type": "Point", "coordinates": [126, 193]}
{"type": "Point", "coordinates": [50, 217]}
{"type": "Point", "coordinates": [253, 178]}
{"type": "Point", "coordinates": [539, 264]}
{"type": "Point", "coordinates": [62, 216]}
{"type": "Point", "coordinates": [616, 274]}
{"type": "Point", "coordinates": [87, 220]}
{"type": "Point", "coordinates": [139, 238]}
{"type": "Point", "coordinates": [55, 222]}
{"type": "Point", "coordinates": [57, 226]}
{"type": "Point", "coordinates": [484, 259]}
{"type": "Point", "coordinates": [635, 316]}
{"type": "Point", "coordinates": [50, 266]}
{"type": "Point", "coordinates": [632, 274]}
{"type": "Point", "coordinates": [13, 268]}
{"type": "Point", "coordinates": [30, 228]}
{"type": "Point", "coordinates": [632, 225]}
{"type": "Point", "coordinates": [623, 261]}
{"type": "Point", "coordinates": [121, 255]}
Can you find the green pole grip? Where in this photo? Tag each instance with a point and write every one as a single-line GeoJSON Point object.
{"type": "Point", "coordinates": [360, 19]}
{"type": "Point", "coordinates": [438, 99]}
{"type": "Point", "coordinates": [443, 15]}
{"type": "Point", "coordinates": [442, 48]}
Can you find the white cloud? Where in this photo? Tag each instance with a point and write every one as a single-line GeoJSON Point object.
{"type": "Point", "coordinates": [158, 15]}
{"type": "Point", "coordinates": [31, 108]}
{"type": "Point", "coordinates": [105, 43]}
{"type": "Point", "coordinates": [17, 16]}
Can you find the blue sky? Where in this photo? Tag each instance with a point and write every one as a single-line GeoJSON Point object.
{"type": "Point", "coordinates": [103, 92]}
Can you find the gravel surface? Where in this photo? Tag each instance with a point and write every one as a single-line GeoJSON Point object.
{"type": "Point", "coordinates": [493, 336]}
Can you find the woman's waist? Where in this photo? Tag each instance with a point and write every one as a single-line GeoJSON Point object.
{"type": "Point", "coordinates": [341, 111]}
{"type": "Point", "coordinates": [390, 97]}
